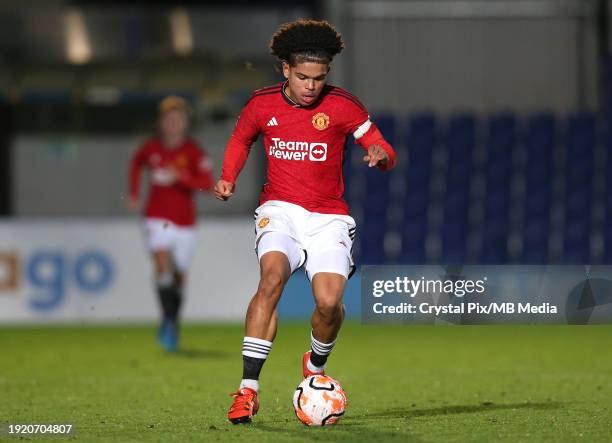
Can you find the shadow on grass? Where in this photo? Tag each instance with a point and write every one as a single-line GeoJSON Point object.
{"type": "Point", "coordinates": [205, 354]}
{"type": "Point", "coordinates": [358, 427]}
{"type": "Point", "coordinates": [445, 410]}
{"type": "Point", "coordinates": [350, 432]}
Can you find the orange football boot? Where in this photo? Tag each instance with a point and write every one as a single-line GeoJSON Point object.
{"type": "Point", "coordinates": [307, 372]}
{"type": "Point", "coordinates": [244, 407]}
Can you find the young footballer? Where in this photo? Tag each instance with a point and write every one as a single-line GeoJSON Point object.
{"type": "Point", "coordinates": [177, 168]}
{"type": "Point", "coordinates": [303, 220]}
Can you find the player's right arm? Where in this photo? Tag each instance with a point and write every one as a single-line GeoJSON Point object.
{"type": "Point", "coordinates": [238, 148]}
{"type": "Point", "coordinates": [136, 164]}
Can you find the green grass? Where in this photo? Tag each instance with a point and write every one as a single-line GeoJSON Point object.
{"type": "Point", "coordinates": [404, 383]}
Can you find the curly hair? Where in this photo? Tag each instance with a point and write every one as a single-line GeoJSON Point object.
{"type": "Point", "coordinates": [306, 41]}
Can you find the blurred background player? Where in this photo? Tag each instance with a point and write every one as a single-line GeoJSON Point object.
{"type": "Point", "coordinates": [177, 167]}
{"type": "Point", "coordinates": [303, 219]}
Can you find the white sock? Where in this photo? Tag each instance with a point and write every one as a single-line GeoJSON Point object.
{"type": "Point", "coordinates": [314, 368]}
{"type": "Point", "coordinates": [165, 280]}
{"type": "Point", "coordinates": [247, 383]}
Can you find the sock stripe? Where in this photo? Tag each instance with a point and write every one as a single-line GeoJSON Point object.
{"type": "Point", "coordinates": [323, 345]}
{"type": "Point", "coordinates": [255, 346]}
{"type": "Point", "coordinates": [319, 348]}
{"type": "Point", "coordinates": [254, 354]}
{"type": "Point", "coordinates": [321, 351]}
{"type": "Point", "coordinates": [258, 341]}
{"type": "Point", "coordinates": [259, 351]}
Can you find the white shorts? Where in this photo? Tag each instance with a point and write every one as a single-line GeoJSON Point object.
{"type": "Point", "coordinates": [319, 242]}
{"type": "Point", "coordinates": [163, 235]}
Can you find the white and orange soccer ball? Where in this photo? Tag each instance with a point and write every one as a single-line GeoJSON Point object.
{"type": "Point", "coordinates": [319, 401]}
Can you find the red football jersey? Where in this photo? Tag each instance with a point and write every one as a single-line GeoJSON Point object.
{"type": "Point", "coordinates": [171, 193]}
{"type": "Point", "coordinates": [304, 145]}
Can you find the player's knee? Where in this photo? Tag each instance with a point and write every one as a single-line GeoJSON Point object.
{"type": "Point", "coordinates": [329, 307]}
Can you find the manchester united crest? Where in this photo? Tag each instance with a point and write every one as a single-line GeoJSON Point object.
{"type": "Point", "coordinates": [320, 121]}
{"type": "Point", "coordinates": [264, 222]}
{"type": "Point", "coordinates": [181, 161]}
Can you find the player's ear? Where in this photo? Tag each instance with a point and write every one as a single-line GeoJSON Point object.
{"type": "Point", "coordinates": [286, 69]}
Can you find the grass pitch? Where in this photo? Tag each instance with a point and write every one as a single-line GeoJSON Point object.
{"type": "Point", "coordinates": [404, 383]}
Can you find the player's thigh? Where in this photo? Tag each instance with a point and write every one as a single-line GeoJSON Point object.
{"type": "Point", "coordinates": [159, 234]}
{"type": "Point", "coordinates": [183, 249]}
{"type": "Point", "coordinates": [275, 230]}
{"type": "Point", "coordinates": [329, 249]}
{"type": "Point", "coordinates": [278, 251]}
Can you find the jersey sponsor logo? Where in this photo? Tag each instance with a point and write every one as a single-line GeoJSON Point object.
{"type": "Point", "coordinates": [263, 222]}
{"type": "Point", "coordinates": [163, 176]}
{"type": "Point", "coordinates": [273, 122]}
{"type": "Point", "coordinates": [320, 121]}
{"type": "Point", "coordinates": [295, 150]}
{"type": "Point", "coordinates": [318, 152]}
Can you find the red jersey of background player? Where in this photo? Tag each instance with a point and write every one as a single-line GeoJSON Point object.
{"type": "Point", "coordinates": [304, 145]}
{"type": "Point", "coordinates": [174, 175]}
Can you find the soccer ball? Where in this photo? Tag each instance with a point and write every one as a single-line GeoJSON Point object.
{"type": "Point", "coordinates": [319, 401]}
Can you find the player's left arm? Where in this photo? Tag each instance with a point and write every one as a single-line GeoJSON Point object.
{"type": "Point", "coordinates": [137, 163]}
{"type": "Point", "coordinates": [199, 176]}
{"type": "Point", "coordinates": [379, 152]}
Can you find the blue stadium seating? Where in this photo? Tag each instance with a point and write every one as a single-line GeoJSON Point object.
{"type": "Point", "coordinates": [577, 246]}
{"type": "Point", "coordinates": [454, 239]}
{"type": "Point", "coordinates": [413, 241]}
{"type": "Point", "coordinates": [535, 242]}
{"type": "Point", "coordinates": [504, 136]}
{"type": "Point", "coordinates": [495, 242]}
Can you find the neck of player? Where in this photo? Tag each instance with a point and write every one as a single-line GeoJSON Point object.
{"type": "Point", "coordinates": [172, 141]}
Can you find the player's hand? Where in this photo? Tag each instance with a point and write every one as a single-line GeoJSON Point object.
{"type": "Point", "coordinates": [224, 190]}
{"type": "Point", "coordinates": [376, 156]}
{"type": "Point", "coordinates": [132, 204]}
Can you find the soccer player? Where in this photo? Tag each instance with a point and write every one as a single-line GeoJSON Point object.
{"type": "Point", "coordinates": [303, 220]}
{"type": "Point", "coordinates": [177, 167]}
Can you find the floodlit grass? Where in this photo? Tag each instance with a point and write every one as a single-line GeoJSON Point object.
{"type": "Point", "coordinates": [404, 383]}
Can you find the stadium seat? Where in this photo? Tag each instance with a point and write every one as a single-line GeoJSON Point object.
{"type": "Point", "coordinates": [494, 242]}
{"type": "Point", "coordinates": [577, 247]}
{"type": "Point", "coordinates": [537, 206]}
{"type": "Point", "coordinates": [578, 205]}
{"type": "Point", "coordinates": [497, 204]}
{"type": "Point", "coordinates": [372, 247]}
{"type": "Point", "coordinates": [421, 137]}
{"type": "Point", "coordinates": [454, 239]}
{"type": "Point", "coordinates": [461, 132]}
{"type": "Point", "coordinates": [541, 135]}
{"type": "Point", "coordinates": [413, 241]}
{"type": "Point", "coordinates": [386, 125]}
{"type": "Point", "coordinates": [456, 205]}
{"type": "Point", "coordinates": [415, 204]}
